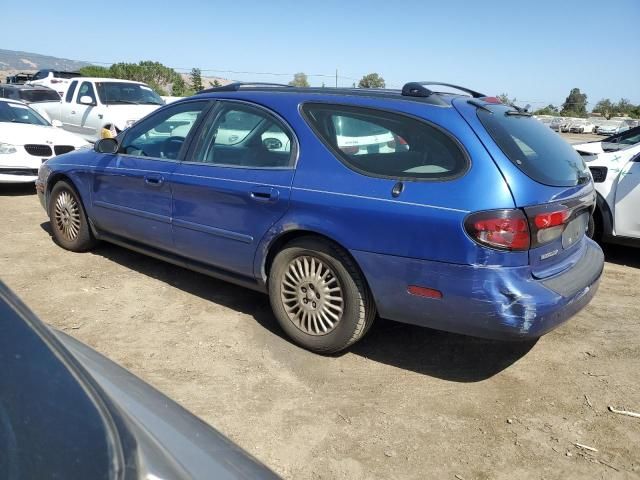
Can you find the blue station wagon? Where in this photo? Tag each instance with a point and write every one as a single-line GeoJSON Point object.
{"type": "Point", "coordinates": [446, 210]}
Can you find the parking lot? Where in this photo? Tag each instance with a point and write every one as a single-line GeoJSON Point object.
{"type": "Point", "coordinates": [405, 402]}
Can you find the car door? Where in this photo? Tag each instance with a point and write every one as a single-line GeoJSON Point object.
{"type": "Point", "coordinates": [131, 195]}
{"type": "Point", "coordinates": [233, 187]}
{"type": "Point", "coordinates": [75, 113]}
{"type": "Point", "coordinates": [627, 214]}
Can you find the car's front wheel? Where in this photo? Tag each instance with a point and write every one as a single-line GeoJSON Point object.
{"type": "Point", "coordinates": [319, 296]}
{"type": "Point", "coordinates": [69, 223]}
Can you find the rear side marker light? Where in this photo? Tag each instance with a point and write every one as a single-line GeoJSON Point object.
{"type": "Point", "coordinates": [424, 292]}
{"type": "Point", "coordinates": [501, 229]}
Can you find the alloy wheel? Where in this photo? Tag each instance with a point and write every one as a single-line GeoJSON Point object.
{"type": "Point", "coordinates": [312, 295]}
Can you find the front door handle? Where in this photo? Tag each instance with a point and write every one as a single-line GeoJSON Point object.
{"type": "Point", "coordinates": [264, 194]}
{"type": "Point", "coordinates": [73, 112]}
{"type": "Point", "coordinates": [154, 180]}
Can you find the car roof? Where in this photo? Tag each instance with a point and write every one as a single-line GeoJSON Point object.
{"type": "Point", "coordinates": [23, 86]}
{"type": "Point", "coordinates": [17, 102]}
{"type": "Point", "coordinates": [103, 80]}
{"type": "Point", "coordinates": [411, 92]}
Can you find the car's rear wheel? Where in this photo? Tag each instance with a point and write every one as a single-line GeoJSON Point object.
{"type": "Point", "coordinates": [68, 219]}
{"type": "Point", "coordinates": [319, 296]}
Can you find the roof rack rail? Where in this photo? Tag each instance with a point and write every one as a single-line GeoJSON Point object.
{"type": "Point", "coordinates": [418, 89]}
{"type": "Point", "coordinates": [234, 87]}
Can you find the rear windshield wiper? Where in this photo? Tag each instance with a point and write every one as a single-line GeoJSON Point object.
{"type": "Point", "coordinates": [519, 111]}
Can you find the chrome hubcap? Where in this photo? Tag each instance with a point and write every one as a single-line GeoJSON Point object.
{"type": "Point", "coordinates": [312, 295]}
{"type": "Point", "coordinates": [67, 215]}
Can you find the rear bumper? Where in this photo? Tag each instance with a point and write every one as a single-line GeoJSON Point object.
{"type": "Point", "coordinates": [483, 301]}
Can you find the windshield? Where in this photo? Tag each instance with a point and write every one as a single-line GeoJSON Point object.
{"type": "Point", "coordinates": [17, 113]}
{"type": "Point", "coordinates": [113, 93]}
{"type": "Point", "coordinates": [33, 96]}
{"type": "Point", "coordinates": [535, 149]}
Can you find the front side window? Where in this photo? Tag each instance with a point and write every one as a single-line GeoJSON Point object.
{"type": "Point", "coordinates": [70, 91]}
{"type": "Point", "coordinates": [383, 144]}
{"type": "Point", "coordinates": [240, 135]}
{"type": "Point", "coordinates": [86, 89]}
{"type": "Point", "coordinates": [119, 93]}
{"type": "Point", "coordinates": [163, 134]}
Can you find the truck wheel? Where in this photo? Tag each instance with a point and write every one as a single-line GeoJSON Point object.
{"type": "Point", "coordinates": [68, 219]}
{"type": "Point", "coordinates": [319, 296]}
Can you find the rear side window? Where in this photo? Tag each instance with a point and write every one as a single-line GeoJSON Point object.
{"type": "Point", "coordinates": [382, 144]}
{"type": "Point", "coordinates": [534, 148]}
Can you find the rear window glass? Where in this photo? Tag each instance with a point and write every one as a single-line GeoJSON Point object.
{"type": "Point", "coordinates": [383, 144]}
{"type": "Point", "coordinates": [39, 96]}
{"type": "Point", "coordinates": [534, 148]}
{"type": "Point", "coordinates": [66, 74]}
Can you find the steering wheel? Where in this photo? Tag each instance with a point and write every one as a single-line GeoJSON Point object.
{"type": "Point", "coordinates": [171, 147]}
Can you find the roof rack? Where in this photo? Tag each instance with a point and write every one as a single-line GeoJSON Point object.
{"type": "Point", "coordinates": [418, 89]}
{"type": "Point", "coordinates": [234, 87]}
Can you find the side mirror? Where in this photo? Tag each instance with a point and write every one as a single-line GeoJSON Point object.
{"type": "Point", "coordinates": [56, 123]}
{"type": "Point", "coordinates": [272, 143]}
{"type": "Point", "coordinates": [86, 100]}
{"type": "Point", "coordinates": [106, 145]}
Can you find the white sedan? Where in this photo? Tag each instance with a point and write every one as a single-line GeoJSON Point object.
{"type": "Point", "coordinates": [27, 140]}
{"type": "Point", "coordinates": [615, 167]}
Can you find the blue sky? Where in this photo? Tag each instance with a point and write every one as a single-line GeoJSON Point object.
{"type": "Point", "coordinates": [535, 51]}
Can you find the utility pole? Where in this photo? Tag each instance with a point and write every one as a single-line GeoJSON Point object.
{"type": "Point", "coordinates": [336, 78]}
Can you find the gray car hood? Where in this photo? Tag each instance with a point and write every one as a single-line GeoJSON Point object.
{"type": "Point", "coordinates": [172, 442]}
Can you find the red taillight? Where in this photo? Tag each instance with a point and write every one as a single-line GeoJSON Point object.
{"type": "Point", "coordinates": [351, 149]}
{"type": "Point", "coordinates": [551, 219]}
{"type": "Point", "coordinates": [502, 229]}
{"type": "Point", "coordinates": [490, 99]}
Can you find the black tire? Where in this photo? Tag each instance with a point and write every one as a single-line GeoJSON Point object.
{"type": "Point", "coordinates": [358, 307]}
{"type": "Point", "coordinates": [68, 219]}
{"type": "Point", "coordinates": [594, 227]}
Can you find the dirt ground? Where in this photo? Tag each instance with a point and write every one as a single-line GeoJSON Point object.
{"type": "Point", "coordinates": [405, 402]}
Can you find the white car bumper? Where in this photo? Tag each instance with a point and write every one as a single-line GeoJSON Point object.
{"type": "Point", "coordinates": [19, 167]}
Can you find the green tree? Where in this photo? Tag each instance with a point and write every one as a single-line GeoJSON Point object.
{"type": "Point", "coordinates": [179, 87]}
{"type": "Point", "coordinates": [299, 80]}
{"type": "Point", "coordinates": [215, 83]}
{"type": "Point", "coordinates": [624, 106]}
{"type": "Point", "coordinates": [548, 110]}
{"type": "Point", "coordinates": [196, 80]}
{"type": "Point", "coordinates": [575, 103]}
{"type": "Point", "coordinates": [95, 71]}
{"type": "Point", "coordinates": [504, 98]}
{"type": "Point", "coordinates": [604, 107]}
{"type": "Point", "coordinates": [372, 80]}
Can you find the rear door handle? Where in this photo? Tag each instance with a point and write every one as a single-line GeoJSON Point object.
{"type": "Point", "coordinates": [154, 180]}
{"type": "Point", "coordinates": [73, 112]}
{"type": "Point", "coordinates": [264, 194]}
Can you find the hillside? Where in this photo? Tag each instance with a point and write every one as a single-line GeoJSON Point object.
{"type": "Point", "coordinates": [26, 61]}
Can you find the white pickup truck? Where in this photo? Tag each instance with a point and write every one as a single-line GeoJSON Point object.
{"type": "Point", "coordinates": [93, 105]}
